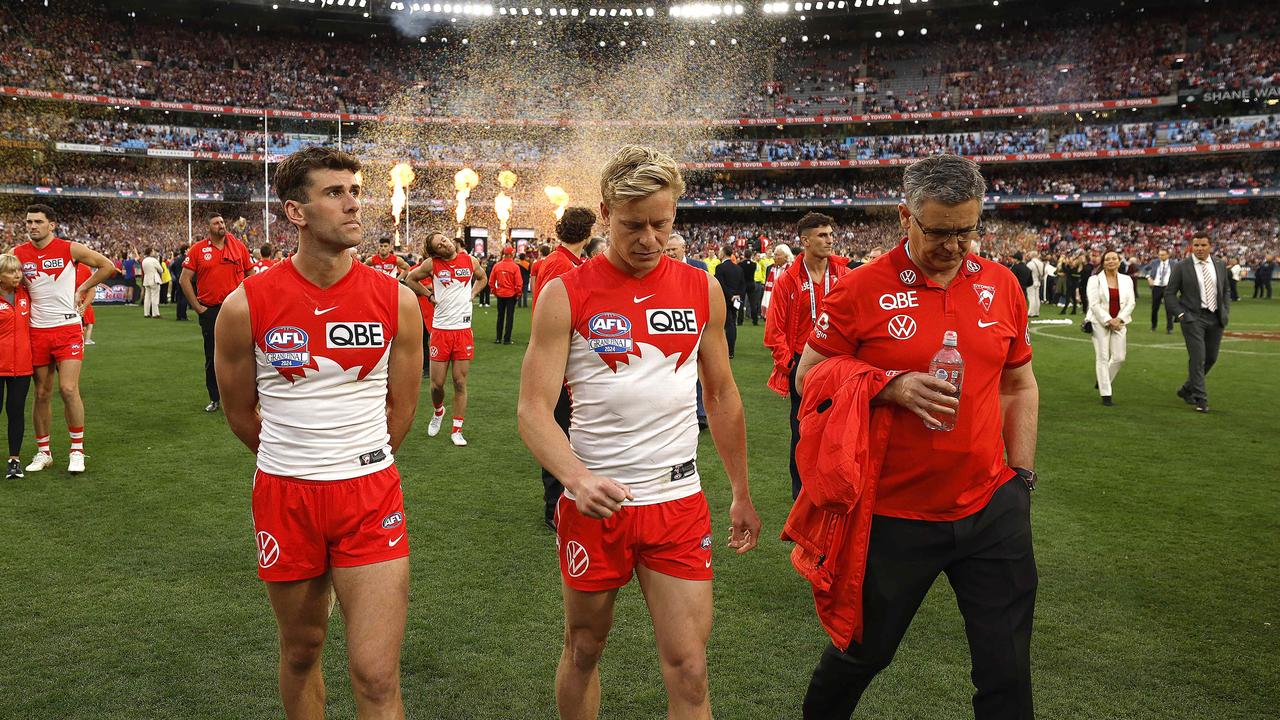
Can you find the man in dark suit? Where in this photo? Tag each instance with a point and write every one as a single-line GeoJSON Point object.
{"type": "Point", "coordinates": [734, 285]}
{"type": "Point", "coordinates": [676, 251]}
{"type": "Point", "coordinates": [1197, 298]}
{"type": "Point", "coordinates": [1158, 272]}
{"type": "Point", "coordinates": [1262, 277]}
{"type": "Point", "coordinates": [175, 271]}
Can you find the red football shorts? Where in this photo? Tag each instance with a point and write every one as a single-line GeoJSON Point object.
{"type": "Point", "coordinates": [673, 538]}
{"type": "Point", "coordinates": [55, 344]}
{"type": "Point", "coordinates": [88, 317]}
{"type": "Point", "coordinates": [305, 526]}
{"type": "Point", "coordinates": [449, 345]}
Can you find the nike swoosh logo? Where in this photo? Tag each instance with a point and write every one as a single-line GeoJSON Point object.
{"type": "Point", "coordinates": [392, 543]}
{"type": "Point", "coordinates": [988, 324]}
{"type": "Point", "coordinates": [708, 563]}
{"type": "Point", "coordinates": [641, 299]}
{"type": "Point", "coordinates": [318, 311]}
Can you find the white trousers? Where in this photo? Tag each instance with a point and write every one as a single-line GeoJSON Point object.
{"type": "Point", "coordinates": [1033, 300]}
{"type": "Point", "coordinates": [150, 300]}
{"type": "Point", "coordinates": [1109, 348]}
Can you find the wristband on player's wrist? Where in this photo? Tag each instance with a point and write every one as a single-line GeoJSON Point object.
{"type": "Point", "coordinates": [1029, 477]}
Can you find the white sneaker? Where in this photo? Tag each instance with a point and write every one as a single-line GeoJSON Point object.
{"type": "Point", "coordinates": [433, 429]}
{"type": "Point", "coordinates": [75, 464]}
{"type": "Point", "coordinates": [457, 439]}
{"type": "Point", "coordinates": [41, 461]}
{"type": "Point", "coordinates": [90, 342]}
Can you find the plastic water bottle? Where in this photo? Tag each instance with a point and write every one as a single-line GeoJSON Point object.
{"type": "Point", "coordinates": [948, 365]}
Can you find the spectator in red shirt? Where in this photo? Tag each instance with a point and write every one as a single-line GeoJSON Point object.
{"type": "Point", "coordinates": [218, 264]}
{"type": "Point", "coordinates": [506, 281]}
{"type": "Point", "coordinates": [798, 294]}
{"type": "Point", "coordinates": [15, 355]}
{"type": "Point", "coordinates": [957, 501]}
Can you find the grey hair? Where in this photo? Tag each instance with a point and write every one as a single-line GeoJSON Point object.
{"type": "Point", "coordinates": [785, 249]}
{"type": "Point", "coordinates": [948, 179]}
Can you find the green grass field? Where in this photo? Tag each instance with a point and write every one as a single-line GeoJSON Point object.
{"type": "Point", "coordinates": [130, 592]}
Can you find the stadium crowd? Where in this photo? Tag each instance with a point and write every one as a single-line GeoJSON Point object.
{"type": "Point", "coordinates": [72, 170]}
{"type": "Point", "coordinates": [134, 136]}
{"type": "Point", "coordinates": [1251, 238]}
{"type": "Point", "coordinates": [105, 53]}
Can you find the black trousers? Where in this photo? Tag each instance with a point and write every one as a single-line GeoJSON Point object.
{"type": "Point", "coordinates": [1157, 302]}
{"type": "Point", "coordinates": [1235, 296]}
{"type": "Point", "coordinates": [730, 324]}
{"type": "Point", "coordinates": [756, 296]}
{"type": "Point", "coordinates": [506, 318]}
{"type": "Point", "coordinates": [484, 296]}
{"type": "Point", "coordinates": [181, 299]}
{"type": "Point", "coordinates": [987, 558]}
{"type": "Point", "coordinates": [164, 293]}
{"type": "Point", "coordinates": [795, 428]}
{"type": "Point", "coordinates": [13, 395]}
{"type": "Point", "coordinates": [1262, 285]}
{"type": "Point", "coordinates": [207, 320]}
{"type": "Point", "coordinates": [551, 487]}
{"type": "Point", "coordinates": [1203, 335]}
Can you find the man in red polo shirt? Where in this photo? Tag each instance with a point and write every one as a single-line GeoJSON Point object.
{"type": "Point", "coordinates": [795, 301]}
{"type": "Point", "coordinates": [507, 281]}
{"type": "Point", "coordinates": [218, 263]}
{"type": "Point", "coordinates": [958, 501]}
{"type": "Point", "coordinates": [574, 230]}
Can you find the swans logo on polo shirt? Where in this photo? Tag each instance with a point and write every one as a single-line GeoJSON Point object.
{"type": "Point", "coordinates": [972, 265]}
{"type": "Point", "coordinates": [671, 321]}
{"type": "Point", "coordinates": [287, 347]}
{"type": "Point", "coordinates": [609, 332]}
{"type": "Point", "coordinates": [986, 295]}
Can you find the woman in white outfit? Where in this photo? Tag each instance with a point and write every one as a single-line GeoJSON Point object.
{"type": "Point", "coordinates": [1111, 303]}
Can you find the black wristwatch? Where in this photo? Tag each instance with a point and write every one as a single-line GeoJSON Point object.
{"type": "Point", "coordinates": [1028, 477]}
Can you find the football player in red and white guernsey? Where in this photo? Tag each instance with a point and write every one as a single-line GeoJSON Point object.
{"type": "Point", "coordinates": [57, 342]}
{"type": "Point", "coordinates": [630, 331]}
{"type": "Point", "coordinates": [266, 259]}
{"type": "Point", "coordinates": [456, 279]}
{"type": "Point", "coordinates": [329, 349]}
{"type": "Point", "coordinates": [386, 261]}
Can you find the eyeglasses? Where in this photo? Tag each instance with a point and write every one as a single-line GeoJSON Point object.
{"type": "Point", "coordinates": [941, 235]}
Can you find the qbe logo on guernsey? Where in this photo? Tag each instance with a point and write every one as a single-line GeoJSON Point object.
{"type": "Point", "coordinates": [354, 335]}
{"type": "Point", "coordinates": [671, 321]}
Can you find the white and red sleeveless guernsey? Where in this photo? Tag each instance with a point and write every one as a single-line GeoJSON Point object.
{"type": "Point", "coordinates": [389, 265]}
{"type": "Point", "coordinates": [632, 373]}
{"type": "Point", "coordinates": [51, 273]}
{"type": "Point", "coordinates": [322, 366]}
{"type": "Point", "coordinates": [451, 280]}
